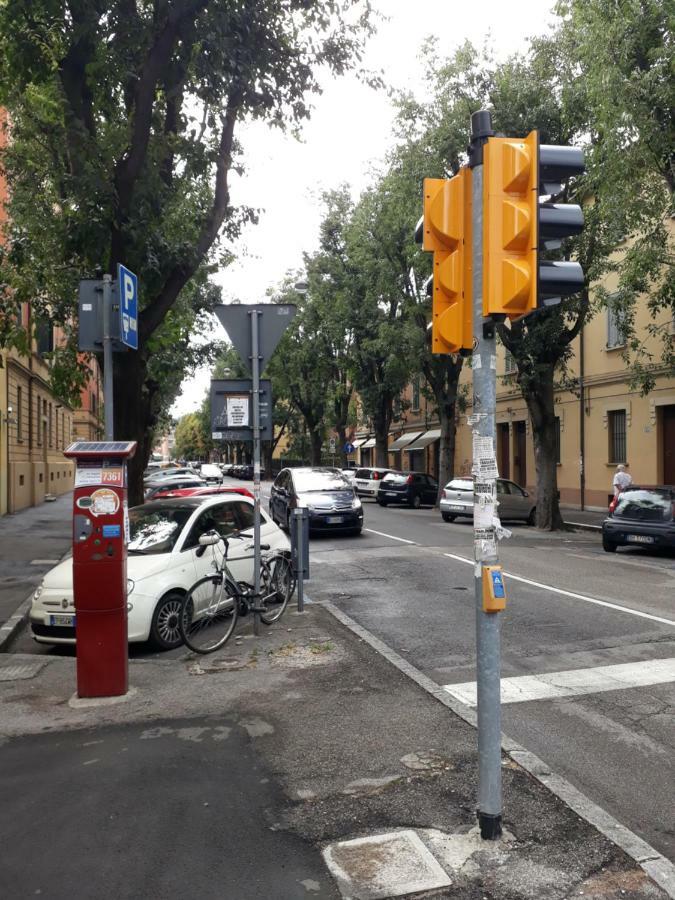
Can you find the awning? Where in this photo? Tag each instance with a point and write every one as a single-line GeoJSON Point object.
{"type": "Point", "coordinates": [358, 442]}
{"type": "Point", "coordinates": [369, 443]}
{"type": "Point", "coordinates": [404, 440]}
{"type": "Point", "coordinates": [427, 438]}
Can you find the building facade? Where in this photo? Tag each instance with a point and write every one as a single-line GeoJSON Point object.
{"type": "Point", "coordinates": [602, 422]}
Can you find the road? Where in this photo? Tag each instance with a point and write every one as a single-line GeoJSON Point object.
{"type": "Point", "coordinates": [606, 621]}
{"type": "Point", "coordinates": [592, 634]}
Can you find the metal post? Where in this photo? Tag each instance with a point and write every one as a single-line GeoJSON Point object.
{"type": "Point", "coordinates": [255, 369]}
{"type": "Point", "coordinates": [300, 557]}
{"type": "Point", "coordinates": [108, 357]}
{"type": "Point", "coordinates": [485, 545]}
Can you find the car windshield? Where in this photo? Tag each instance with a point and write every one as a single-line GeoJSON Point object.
{"type": "Point", "coordinates": [645, 504]}
{"type": "Point", "coordinates": [156, 530]}
{"type": "Point", "coordinates": [460, 486]}
{"type": "Point", "coordinates": [396, 477]}
{"type": "Point", "coordinates": [306, 482]}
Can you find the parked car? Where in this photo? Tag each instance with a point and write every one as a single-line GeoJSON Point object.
{"type": "Point", "coordinates": [165, 560]}
{"type": "Point", "coordinates": [324, 491]}
{"type": "Point", "coordinates": [514, 501]}
{"type": "Point", "coordinates": [211, 473]}
{"type": "Point", "coordinates": [367, 481]}
{"type": "Point", "coordinates": [162, 474]}
{"type": "Point", "coordinates": [642, 516]}
{"type": "Point", "coordinates": [180, 481]}
{"type": "Point", "coordinates": [210, 491]}
{"type": "Point", "coordinates": [413, 488]}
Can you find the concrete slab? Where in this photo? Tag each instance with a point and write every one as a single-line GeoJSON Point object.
{"type": "Point", "coordinates": [384, 865]}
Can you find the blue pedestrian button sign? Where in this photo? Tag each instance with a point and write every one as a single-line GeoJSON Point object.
{"type": "Point", "coordinates": [498, 585]}
{"type": "Point", "coordinates": [127, 286]}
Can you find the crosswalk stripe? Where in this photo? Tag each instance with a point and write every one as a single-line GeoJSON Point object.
{"type": "Point", "coordinates": [575, 682]}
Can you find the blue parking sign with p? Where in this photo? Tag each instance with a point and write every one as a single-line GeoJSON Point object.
{"type": "Point", "coordinates": [127, 285]}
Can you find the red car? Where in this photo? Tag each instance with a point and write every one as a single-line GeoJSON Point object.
{"type": "Point", "coordinates": [201, 492]}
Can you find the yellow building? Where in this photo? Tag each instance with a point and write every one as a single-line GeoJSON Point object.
{"type": "Point", "coordinates": [603, 423]}
{"type": "Point", "coordinates": [38, 427]}
{"type": "Point", "coordinates": [4, 444]}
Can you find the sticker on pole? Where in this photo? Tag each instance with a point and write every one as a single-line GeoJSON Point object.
{"type": "Point", "coordinates": [484, 459]}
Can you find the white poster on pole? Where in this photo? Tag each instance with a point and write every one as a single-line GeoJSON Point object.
{"type": "Point", "coordinates": [237, 412]}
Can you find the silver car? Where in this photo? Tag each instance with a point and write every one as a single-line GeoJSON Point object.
{"type": "Point", "coordinates": [514, 501]}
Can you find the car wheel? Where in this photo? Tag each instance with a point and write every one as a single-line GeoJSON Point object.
{"type": "Point", "coordinates": [381, 502]}
{"type": "Point", "coordinates": [164, 629]}
{"type": "Point", "coordinates": [448, 518]}
{"type": "Point", "coordinates": [608, 546]}
{"type": "Point", "coordinates": [532, 518]}
{"type": "Point", "coordinates": [416, 501]}
{"type": "Point", "coordinates": [356, 532]}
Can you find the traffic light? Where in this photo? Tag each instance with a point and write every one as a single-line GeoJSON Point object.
{"type": "Point", "coordinates": [446, 231]}
{"type": "Point", "coordinates": [516, 227]}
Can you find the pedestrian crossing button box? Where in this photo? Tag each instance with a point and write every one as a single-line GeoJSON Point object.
{"type": "Point", "coordinates": [494, 589]}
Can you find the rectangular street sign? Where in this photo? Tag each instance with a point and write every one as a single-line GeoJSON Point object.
{"type": "Point", "coordinates": [232, 409]}
{"type": "Point", "coordinates": [127, 287]}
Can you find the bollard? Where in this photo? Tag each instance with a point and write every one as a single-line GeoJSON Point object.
{"type": "Point", "coordinates": [300, 551]}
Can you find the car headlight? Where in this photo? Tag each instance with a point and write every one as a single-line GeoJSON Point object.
{"type": "Point", "coordinates": [356, 503]}
{"type": "Point", "coordinates": [130, 586]}
{"type": "Point", "coordinates": [38, 593]}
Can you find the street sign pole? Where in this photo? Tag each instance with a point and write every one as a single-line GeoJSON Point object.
{"type": "Point", "coordinates": [108, 357]}
{"type": "Point", "coordinates": [255, 370]}
{"type": "Point", "coordinates": [488, 648]}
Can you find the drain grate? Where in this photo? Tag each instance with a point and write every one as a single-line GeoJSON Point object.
{"type": "Point", "coordinates": [21, 671]}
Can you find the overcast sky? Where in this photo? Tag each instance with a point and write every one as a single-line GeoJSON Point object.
{"type": "Point", "coordinates": [348, 134]}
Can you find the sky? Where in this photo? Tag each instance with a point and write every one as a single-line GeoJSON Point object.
{"type": "Point", "coordinates": [347, 136]}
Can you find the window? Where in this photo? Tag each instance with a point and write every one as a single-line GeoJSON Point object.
{"type": "Point", "coordinates": [557, 439]}
{"type": "Point", "coordinates": [615, 329]}
{"type": "Point", "coordinates": [510, 366]}
{"type": "Point", "coordinates": [39, 425]}
{"type": "Point", "coordinates": [19, 414]}
{"type": "Point", "coordinates": [415, 395]}
{"type": "Point", "coordinates": [50, 425]}
{"type": "Point", "coordinates": [616, 423]}
{"type": "Point", "coordinates": [93, 403]}
{"type": "Point", "coordinates": [44, 337]}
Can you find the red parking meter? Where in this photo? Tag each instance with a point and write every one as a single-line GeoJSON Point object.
{"type": "Point", "coordinates": [100, 535]}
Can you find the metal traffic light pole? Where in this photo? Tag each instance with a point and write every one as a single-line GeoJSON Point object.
{"type": "Point", "coordinates": [488, 644]}
{"type": "Point", "coordinates": [108, 358]}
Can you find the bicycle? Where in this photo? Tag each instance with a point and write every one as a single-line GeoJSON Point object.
{"type": "Point", "coordinates": [210, 609]}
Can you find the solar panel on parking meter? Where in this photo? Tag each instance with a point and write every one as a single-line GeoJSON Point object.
{"type": "Point", "coordinates": [273, 320]}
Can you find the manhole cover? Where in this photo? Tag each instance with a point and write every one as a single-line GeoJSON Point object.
{"type": "Point", "coordinates": [21, 671]}
{"type": "Point", "coordinates": [384, 865]}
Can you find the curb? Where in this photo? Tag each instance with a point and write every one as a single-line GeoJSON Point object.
{"type": "Point", "coordinates": [583, 526]}
{"type": "Point", "coordinates": [653, 863]}
{"type": "Point", "coordinates": [15, 621]}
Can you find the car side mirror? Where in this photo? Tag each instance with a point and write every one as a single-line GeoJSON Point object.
{"type": "Point", "coordinates": [209, 538]}
{"type": "Point", "coordinates": [525, 494]}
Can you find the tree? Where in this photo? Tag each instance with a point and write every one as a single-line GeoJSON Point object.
{"type": "Point", "coordinates": [125, 114]}
{"type": "Point", "coordinates": [190, 437]}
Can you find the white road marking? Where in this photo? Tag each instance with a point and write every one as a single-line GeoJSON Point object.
{"type": "Point", "coordinates": [573, 683]}
{"type": "Point", "coordinates": [594, 600]}
{"type": "Point", "coordinates": [392, 536]}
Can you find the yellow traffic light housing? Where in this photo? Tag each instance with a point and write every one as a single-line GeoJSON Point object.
{"type": "Point", "coordinates": [447, 233]}
{"type": "Point", "coordinates": [510, 225]}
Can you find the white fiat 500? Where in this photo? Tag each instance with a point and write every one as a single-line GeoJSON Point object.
{"type": "Point", "coordinates": [164, 561]}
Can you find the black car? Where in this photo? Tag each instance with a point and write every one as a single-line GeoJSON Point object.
{"type": "Point", "coordinates": [642, 516]}
{"type": "Point", "coordinates": [325, 492]}
{"type": "Point", "coordinates": [413, 488]}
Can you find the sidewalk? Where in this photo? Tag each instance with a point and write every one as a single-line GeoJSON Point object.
{"type": "Point", "coordinates": [242, 775]}
{"type": "Point", "coordinates": [586, 518]}
{"type": "Point", "coordinates": [32, 541]}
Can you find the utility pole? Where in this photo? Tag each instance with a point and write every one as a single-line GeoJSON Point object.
{"type": "Point", "coordinates": [255, 387]}
{"type": "Point", "coordinates": [488, 625]}
{"type": "Point", "coordinates": [108, 357]}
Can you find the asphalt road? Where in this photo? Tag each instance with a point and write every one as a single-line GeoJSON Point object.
{"type": "Point", "coordinates": [409, 579]}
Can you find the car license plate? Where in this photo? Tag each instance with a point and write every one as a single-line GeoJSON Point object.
{"type": "Point", "coordinates": [334, 520]}
{"type": "Point", "coordinates": [640, 538]}
{"type": "Point", "coordinates": [456, 506]}
{"type": "Point", "coordinates": [68, 621]}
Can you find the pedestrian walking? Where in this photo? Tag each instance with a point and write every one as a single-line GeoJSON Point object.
{"type": "Point", "coordinates": [622, 479]}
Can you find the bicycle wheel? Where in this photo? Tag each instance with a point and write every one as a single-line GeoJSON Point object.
{"type": "Point", "coordinates": [209, 613]}
{"type": "Point", "coordinates": [277, 586]}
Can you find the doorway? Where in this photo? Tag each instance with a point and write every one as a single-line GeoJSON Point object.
{"type": "Point", "coordinates": [668, 443]}
{"type": "Point", "coordinates": [520, 453]}
{"type": "Point", "coordinates": [503, 456]}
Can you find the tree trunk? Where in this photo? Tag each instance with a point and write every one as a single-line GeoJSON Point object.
{"type": "Point", "coordinates": [446, 454]}
{"type": "Point", "coordinates": [541, 407]}
{"type": "Point", "coordinates": [135, 415]}
{"type": "Point", "coordinates": [381, 423]}
{"type": "Point", "coordinates": [342, 440]}
{"type": "Point", "coordinates": [316, 444]}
